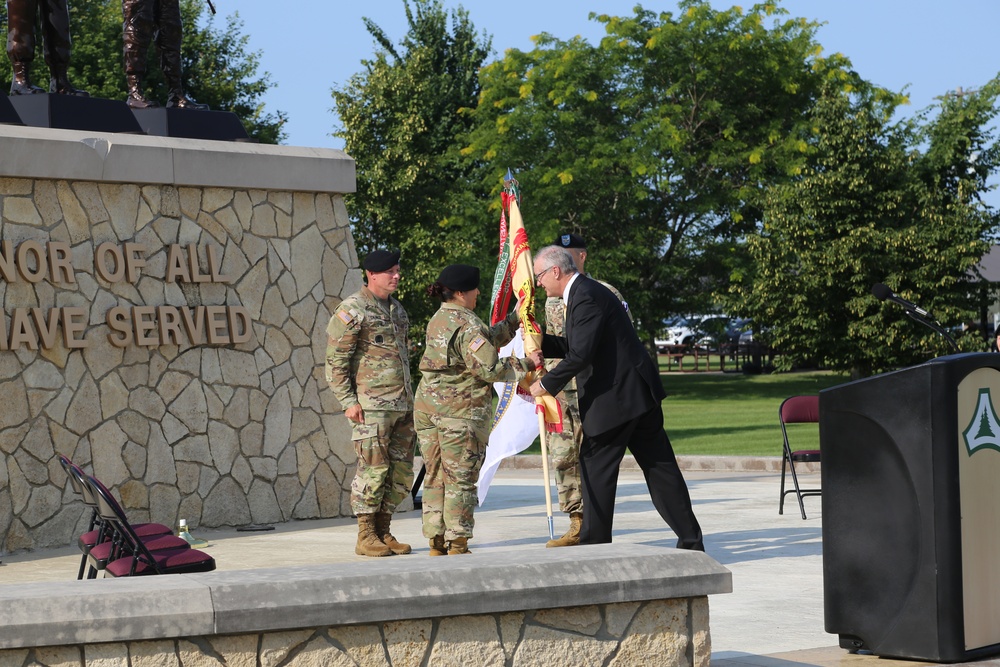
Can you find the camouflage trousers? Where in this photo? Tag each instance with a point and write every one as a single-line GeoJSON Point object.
{"type": "Point", "coordinates": [453, 451]}
{"type": "Point", "coordinates": [384, 445]}
{"type": "Point", "coordinates": [564, 448]}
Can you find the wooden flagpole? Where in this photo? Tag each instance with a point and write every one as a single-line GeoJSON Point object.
{"type": "Point", "coordinates": [540, 409]}
{"type": "Point", "coordinates": [521, 257]}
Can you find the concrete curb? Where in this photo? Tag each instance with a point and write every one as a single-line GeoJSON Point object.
{"type": "Point", "coordinates": [762, 464]}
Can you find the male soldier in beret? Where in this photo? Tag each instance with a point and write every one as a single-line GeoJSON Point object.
{"type": "Point", "coordinates": [368, 369]}
{"type": "Point", "coordinates": [565, 446]}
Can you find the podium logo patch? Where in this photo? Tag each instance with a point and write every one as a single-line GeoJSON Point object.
{"type": "Point", "coordinates": [983, 432]}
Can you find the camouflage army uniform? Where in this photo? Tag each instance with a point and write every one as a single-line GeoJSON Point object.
{"type": "Point", "coordinates": [367, 362]}
{"type": "Point", "coordinates": [565, 447]}
{"type": "Point", "coordinates": [453, 410]}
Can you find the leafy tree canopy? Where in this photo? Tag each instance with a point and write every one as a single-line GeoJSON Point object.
{"type": "Point", "coordinates": [876, 202]}
{"type": "Point", "coordinates": [656, 143]}
{"type": "Point", "coordinates": [402, 118]}
{"type": "Point", "coordinates": [692, 149]}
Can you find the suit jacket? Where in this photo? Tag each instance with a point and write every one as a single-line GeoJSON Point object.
{"type": "Point", "coordinates": [616, 378]}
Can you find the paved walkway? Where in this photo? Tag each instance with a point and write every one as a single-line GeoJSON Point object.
{"type": "Point", "coordinates": [773, 618]}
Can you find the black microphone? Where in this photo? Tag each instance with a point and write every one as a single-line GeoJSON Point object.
{"type": "Point", "coordinates": [882, 292]}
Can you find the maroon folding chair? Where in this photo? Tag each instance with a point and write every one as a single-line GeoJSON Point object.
{"type": "Point", "coordinates": [797, 410]}
{"type": "Point", "coordinates": [154, 536]}
{"type": "Point", "coordinates": [93, 535]}
{"type": "Point", "coordinates": [100, 534]}
{"type": "Point", "coordinates": [101, 543]}
{"type": "Point", "coordinates": [140, 559]}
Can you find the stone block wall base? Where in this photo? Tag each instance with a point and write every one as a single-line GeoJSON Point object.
{"type": "Point", "coordinates": [658, 632]}
{"type": "Point", "coordinates": [165, 306]}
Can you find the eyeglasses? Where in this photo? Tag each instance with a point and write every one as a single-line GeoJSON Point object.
{"type": "Point", "coordinates": [538, 276]}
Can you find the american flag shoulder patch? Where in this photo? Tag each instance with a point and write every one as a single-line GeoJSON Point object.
{"type": "Point", "coordinates": [477, 343]}
{"type": "Point", "coordinates": [344, 316]}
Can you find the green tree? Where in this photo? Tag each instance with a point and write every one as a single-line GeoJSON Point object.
{"type": "Point", "coordinates": [877, 202]}
{"type": "Point", "coordinates": [656, 143]}
{"type": "Point", "coordinates": [218, 68]}
{"type": "Point", "coordinates": [402, 117]}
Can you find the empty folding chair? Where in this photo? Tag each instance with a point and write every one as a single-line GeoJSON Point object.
{"type": "Point", "coordinates": [93, 535]}
{"type": "Point", "coordinates": [142, 560]}
{"type": "Point", "coordinates": [154, 536]}
{"type": "Point", "coordinates": [101, 534]}
{"type": "Point", "coordinates": [797, 410]}
{"type": "Point", "coordinates": [119, 546]}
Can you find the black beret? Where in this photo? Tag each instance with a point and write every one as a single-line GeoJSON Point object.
{"type": "Point", "coordinates": [459, 277]}
{"type": "Point", "coordinates": [381, 260]}
{"type": "Point", "coordinates": [570, 241]}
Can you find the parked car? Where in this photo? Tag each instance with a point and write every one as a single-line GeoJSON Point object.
{"type": "Point", "coordinates": [721, 330]}
{"type": "Point", "coordinates": [708, 331]}
{"type": "Point", "coordinates": [713, 331]}
{"type": "Point", "coordinates": [682, 331]}
{"type": "Point", "coordinates": [747, 340]}
{"type": "Point", "coordinates": [661, 341]}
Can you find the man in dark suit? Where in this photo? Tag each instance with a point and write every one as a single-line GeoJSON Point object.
{"type": "Point", "coordinates": [619, 395]}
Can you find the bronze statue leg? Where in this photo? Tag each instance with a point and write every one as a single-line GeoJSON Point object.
{"type": "Point", "coordinates": [58, 45]}
{"type": "Point", "coordinates": [168, 41]}
{"type": "Point", "coordinates": [137, 33]}
{"type": "Point", "coordinates": [21, 30]}
{"type": "Point", "coordinates": [21, 45]}
{"type": "Point", "coordinates": [55, 32]}
{"type": "Point", "coordinates": [168, 45]}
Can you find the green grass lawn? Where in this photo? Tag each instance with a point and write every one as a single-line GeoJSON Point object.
{"type": "Point", "coordinates": [709, 362]}
{"type": "Point", "coordinates": [733, 414]}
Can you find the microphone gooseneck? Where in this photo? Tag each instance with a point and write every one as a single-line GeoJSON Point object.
{"type": "Point", "coordinates": [915, 312]}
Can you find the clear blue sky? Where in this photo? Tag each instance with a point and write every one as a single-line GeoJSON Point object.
{"type": "Point", "coordinates": [932, 46]}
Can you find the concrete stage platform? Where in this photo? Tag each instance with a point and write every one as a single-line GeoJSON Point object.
{"type": "Point", "coordinates": [773, 617]}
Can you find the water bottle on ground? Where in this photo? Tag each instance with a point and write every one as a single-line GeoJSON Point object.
{"type": "Point", "coordinates": [184, 534]}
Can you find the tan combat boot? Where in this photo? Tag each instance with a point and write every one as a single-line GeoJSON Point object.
{"type": "Point", "coordinates": [459, 545]}
{"type": "Point", "coordinates": [382, 521]}
{"type": "Point", "coordinates": [437, 546]}
{"type": "Point", "coordinates": [572, 536]}
{"type": "Point", "coordinates": [368, 542]}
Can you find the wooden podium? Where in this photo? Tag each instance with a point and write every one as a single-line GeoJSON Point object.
{"type": "Point", "coordinates": [911, 510]}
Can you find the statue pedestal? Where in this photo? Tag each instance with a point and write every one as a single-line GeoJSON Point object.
{"type": "Point", "coordinates": [191, 124]}
{"type": "Point", "coordinates": [8, 115]}
{"type": "Point", "coordinates": [68, 112]}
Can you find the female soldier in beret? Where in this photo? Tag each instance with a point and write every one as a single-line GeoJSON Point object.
{"type": "Point", "coordinates": [453, 404]}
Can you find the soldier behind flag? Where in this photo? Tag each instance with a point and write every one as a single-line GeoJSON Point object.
{"type": "Point", "coordinates": [565, 446]}
{"type": "Point", "coordinates": [368, 369]}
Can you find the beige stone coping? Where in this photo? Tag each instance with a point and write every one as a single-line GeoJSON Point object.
{"type": "Point", "coordinates": [377, 590]}
{"type": "Point", "coordinates": [33, 152]}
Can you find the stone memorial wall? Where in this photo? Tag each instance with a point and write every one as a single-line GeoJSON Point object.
{"type": "Point", "coordinates": [164, 307]}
